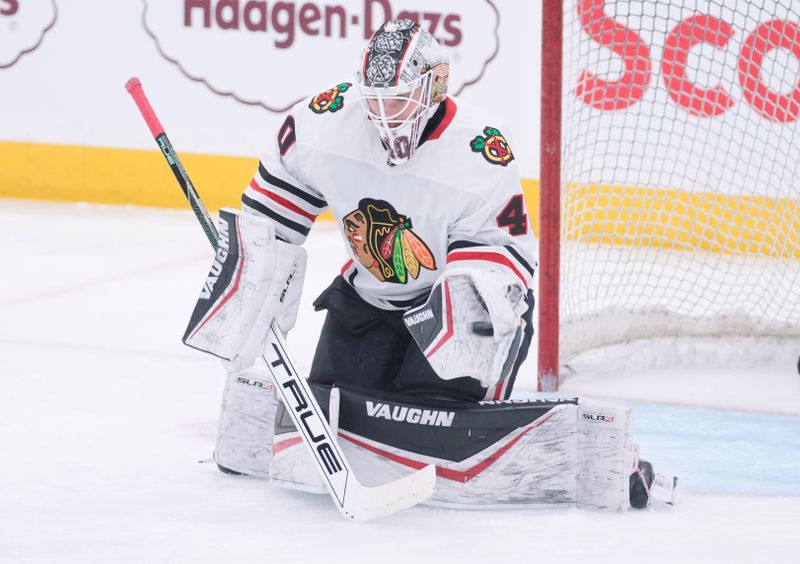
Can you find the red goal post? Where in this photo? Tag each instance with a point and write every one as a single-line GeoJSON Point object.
{"type": "Point", "coordinates": [670, 173]}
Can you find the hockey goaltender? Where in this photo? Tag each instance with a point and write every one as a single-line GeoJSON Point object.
{"type": "Point", "coordinates": [431, 317]}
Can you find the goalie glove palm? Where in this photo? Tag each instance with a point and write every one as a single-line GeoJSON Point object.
{"type": "Point", "coordinates": [471, 324]}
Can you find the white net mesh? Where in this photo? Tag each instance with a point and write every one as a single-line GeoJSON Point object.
{"type": "Point", "coordinates": [680, 165]}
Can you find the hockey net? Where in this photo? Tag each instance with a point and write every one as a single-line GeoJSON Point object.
{"type": "Point", "coordinates": [679, 171]}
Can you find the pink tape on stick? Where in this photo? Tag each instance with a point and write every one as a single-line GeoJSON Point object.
{"type": "Point", "coordinates": [134, 88]}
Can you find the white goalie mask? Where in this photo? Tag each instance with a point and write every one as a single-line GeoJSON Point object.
{"type": "Point", "coordinates": [402, 80]}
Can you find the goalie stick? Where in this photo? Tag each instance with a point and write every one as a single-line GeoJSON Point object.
{"type": "Point", "coordinates": [354, 500]}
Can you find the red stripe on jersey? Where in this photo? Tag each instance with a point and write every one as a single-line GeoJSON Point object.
{"type": "Point", "coordinates": [282, 201]}
{"type": "Point", "coordinates": [347, 265]}
{"type": "Point", "coordinates": [449, 113]}
{"type": "Point", "coordinates": [487, 256]}
{"type": "Point", "coordinates": [461, 476]}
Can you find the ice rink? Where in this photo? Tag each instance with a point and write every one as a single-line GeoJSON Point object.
{"type": "Point", "coordinates": [107, 420]}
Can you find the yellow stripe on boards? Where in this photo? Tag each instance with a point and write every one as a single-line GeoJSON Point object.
{"type": "Point", "coordinates": [594, 213]}
{"type": "Point", "coordinates": [117, 176]}
{"type": "Point", "coordinates": [682, 220]}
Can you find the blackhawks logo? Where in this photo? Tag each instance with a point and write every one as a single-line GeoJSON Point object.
{"type": "Point", "coordinates": [383, 241]}
{"type": "Point", "coordinates": [493, 146]}
{"type": "Point", "coordinates": [331, 100]}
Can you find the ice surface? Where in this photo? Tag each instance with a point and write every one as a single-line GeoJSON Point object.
{"type": "Point", "coordinates": [105, 417]}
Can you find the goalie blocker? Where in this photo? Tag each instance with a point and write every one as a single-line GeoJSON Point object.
{"type": "Point", "coordinates": [255, 279]}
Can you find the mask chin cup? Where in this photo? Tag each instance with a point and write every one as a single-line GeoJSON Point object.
{"type": "Point", "coordinates": [400, 143]}
{"type": "Point", "coordinates": [401, 138]}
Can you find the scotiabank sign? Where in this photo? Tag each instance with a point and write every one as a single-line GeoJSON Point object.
{"type": "Point", "coordinates": [273, 53]}
{"type": "Point", "coordinates": [761, 61]}
{"type": "Point", "coordinates": [23, 24]}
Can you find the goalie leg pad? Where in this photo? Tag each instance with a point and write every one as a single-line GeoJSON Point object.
{"type": "Point", "coordinates": [521, 453]}
{"type": "Point", "coordinates": [292, 465]}
{"type": "Point", "coordinates": [491, 454]}
{"type": "Point", "coordinates": [606, 456]}
{"type": "Point", "coordinates": [246, 423]}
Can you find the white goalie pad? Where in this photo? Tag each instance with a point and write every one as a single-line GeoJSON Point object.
{"type": "Point", "coordinates": [471, 324]}
{"type": "Point", "coordinates": [606, 456]}
{"type": "Point", "coordinates": [559, 459]}
{"type": "Point", "coordinates": [253, 280]}
{"type": "Point", "coordinates": [247, 423]}
{"type": "Point", "coordinates": [292, 465]}
{"type": "Point", "coordinates": [497, 454]}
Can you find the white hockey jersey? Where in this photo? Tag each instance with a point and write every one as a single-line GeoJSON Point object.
{"type": "Point", "coordinates": [458, 199]}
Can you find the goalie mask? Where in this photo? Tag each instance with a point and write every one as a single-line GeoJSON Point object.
{"type": "Point", "coordinates": [403, 79]}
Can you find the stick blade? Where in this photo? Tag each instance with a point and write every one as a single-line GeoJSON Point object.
{"type": "Point", "coordinates": [367, 503]}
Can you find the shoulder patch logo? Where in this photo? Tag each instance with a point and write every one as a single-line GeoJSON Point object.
{"type": "Point", "coordinates": [383, 242]}
{"type": "Point", "coordinates": [493, 146]}
{"type": "Point", "coordinates": [331, 100]}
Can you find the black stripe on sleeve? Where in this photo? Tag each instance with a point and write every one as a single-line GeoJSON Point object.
{"type": "Point", "coordinates": [519, 258]}
{"type": "Point", "coordinates": [282, 184]}
{"type": "Point", "coordinates": [261, 208]}
{"type": "Point", "coordinates": [455, 245]}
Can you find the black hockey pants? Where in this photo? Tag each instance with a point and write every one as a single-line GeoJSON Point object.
{"type": "Point", "coordinates": [365, 346]}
